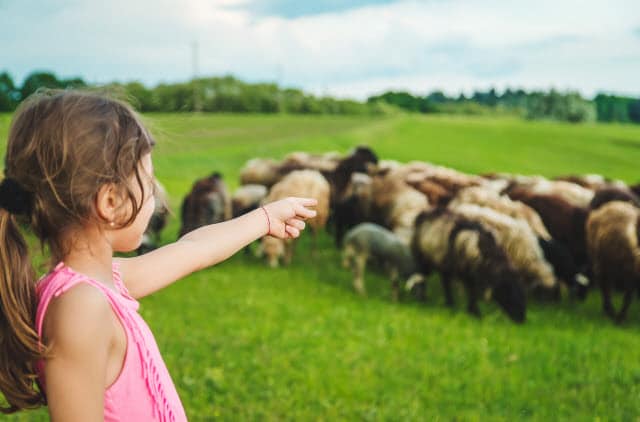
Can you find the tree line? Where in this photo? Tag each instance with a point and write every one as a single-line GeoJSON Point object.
{"type": "Point", "coordinates": [229, 94]}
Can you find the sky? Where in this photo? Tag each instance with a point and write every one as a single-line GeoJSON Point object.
{"type": "Point", "coordinates": [346, 49]}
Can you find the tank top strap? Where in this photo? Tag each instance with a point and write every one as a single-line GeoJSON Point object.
{"type": "Point", "coordinates": [59, 281]}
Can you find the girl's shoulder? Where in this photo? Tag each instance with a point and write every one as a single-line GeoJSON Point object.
{"type": "Point", "coordinates": [82, 309]}
{"type": "Point", "coordinates": [63, 295]}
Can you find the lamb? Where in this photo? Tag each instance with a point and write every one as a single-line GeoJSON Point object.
{"type": "Point", "coordinates": [207, 203]}
{"type": "Point", "coordinates": [446, 242]}
{"type": "Point", "coordinates": [300, 183]}
{"type": "Point", "coordinates": [613, 243]}
{"type": "Point", "coordinates": [368, 241]}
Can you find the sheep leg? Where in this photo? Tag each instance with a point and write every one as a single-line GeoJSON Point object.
{"type": "Point", "coordinates": [421, 288]}
{"type": "Point", "coordinates": [626, 301]}
{"type": "Point", "coordinates": [360, 262]}
{"type": "Point", "coordinates": [446, 285]}
{"type": "Point", "coordinates": [395, 284]}
{"type": "Point", "coordinates": [347, 256]}
{"type": "Point", "coordinates": [607, 306]}
{"type": "Point", "coordinates": [472, 292]}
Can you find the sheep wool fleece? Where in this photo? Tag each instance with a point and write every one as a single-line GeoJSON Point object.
{"type": "Point", "coordinates": [143, 391]}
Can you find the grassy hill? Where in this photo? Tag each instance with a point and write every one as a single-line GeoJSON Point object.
{"type": "Point", "coordinates": [244, 342]}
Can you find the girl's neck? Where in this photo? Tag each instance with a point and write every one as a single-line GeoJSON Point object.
{"type": "Point", "coordinates": [90, 253]}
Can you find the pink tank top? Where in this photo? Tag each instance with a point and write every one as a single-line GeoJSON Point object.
{"type": "Point", "coordinates": [143, 390]}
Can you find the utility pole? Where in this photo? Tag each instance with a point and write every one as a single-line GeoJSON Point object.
{"type": "Point", "coordinates": [197, 104]}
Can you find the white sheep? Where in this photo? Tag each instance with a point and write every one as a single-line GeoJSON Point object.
{"type": "Point", "coordinates": [299, 183]}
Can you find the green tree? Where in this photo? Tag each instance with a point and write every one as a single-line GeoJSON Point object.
{"type": "Point", "coordinates": [9, 95]}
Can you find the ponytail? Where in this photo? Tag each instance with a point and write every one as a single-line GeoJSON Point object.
{"type": "Point", "coordinates": [19, 342]}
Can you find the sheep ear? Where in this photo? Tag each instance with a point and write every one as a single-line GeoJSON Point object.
{"type": "Point", "coordinates": [414, 280]}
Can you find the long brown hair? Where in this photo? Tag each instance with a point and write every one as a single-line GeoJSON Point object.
{"type": "Point", "coordinates": [62, 147]}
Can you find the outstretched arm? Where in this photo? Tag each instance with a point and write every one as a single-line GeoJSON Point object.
{"type": "Point", "coordinates": [211, 244]}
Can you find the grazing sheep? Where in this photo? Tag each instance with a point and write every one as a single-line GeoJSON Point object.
{"type": "Point", "coordinates": [207, 203]}
{"type": "Point", "coordinates": [517, 240]}
{"type": "Point", "coordinates": [613, 237]}
{"type": "Point", "coordinates": [368, 241]}
{"type": "Point", "coordinates": [564, 221]}
{"type": "Point", "coordinates": [491, 199]}
{"type": "Point", "coordinates": [299, 183]}
{"type": "Point", "coordinates": [158, 221]}
{"type": "Point", "coordinates": [458, 248]}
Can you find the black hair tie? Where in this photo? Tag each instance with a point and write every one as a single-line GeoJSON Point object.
{"type": "Point", "coordinates": [14, 198]}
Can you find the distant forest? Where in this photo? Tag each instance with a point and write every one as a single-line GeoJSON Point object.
{"type": "Point", "coordinates": [228, 94]}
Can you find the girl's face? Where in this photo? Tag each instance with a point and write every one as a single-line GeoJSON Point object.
{"type": "Point", "coordinates": [129, 238]}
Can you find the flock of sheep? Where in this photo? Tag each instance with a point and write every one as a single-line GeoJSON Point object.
{"type": "Point", "coordinates": [505, 237]}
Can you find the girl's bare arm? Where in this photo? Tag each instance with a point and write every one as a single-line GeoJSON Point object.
{"type": "Point", "coordinates": [211, 244]}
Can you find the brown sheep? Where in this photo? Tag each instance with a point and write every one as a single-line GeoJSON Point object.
{"type": "Point", "coordinates": [207, 203]}
{"type": "Point", "coordinates": [613, 235]}
{"type": "Point", "coordinates": [564, 221]}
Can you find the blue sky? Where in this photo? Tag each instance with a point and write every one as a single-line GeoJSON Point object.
{"type": "Point", "coordinates": [351, 48]}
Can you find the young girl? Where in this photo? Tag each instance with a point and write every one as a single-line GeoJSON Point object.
{"type": "Point", "coordinates": [79, 175]}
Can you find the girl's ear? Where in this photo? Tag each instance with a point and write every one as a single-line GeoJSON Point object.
{"type": "Point", "coordinates": [107, 202]}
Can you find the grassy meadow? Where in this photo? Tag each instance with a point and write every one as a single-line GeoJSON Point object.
{"type": "Point", "coordinates": [244, 342]}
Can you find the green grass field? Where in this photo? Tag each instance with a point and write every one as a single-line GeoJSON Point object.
{"type": "Point", "coordinates": [244, 342]}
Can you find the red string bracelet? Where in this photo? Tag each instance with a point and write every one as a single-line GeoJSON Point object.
{"type": "Point", "coordinates": [268, 221]}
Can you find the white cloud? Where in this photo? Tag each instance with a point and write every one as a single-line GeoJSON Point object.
{"type": "Point", "coordinates": [452, 45]}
